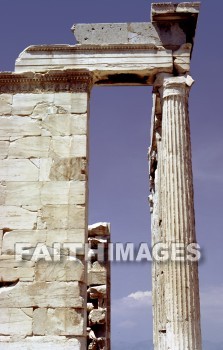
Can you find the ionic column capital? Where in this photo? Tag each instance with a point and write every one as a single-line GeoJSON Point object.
{"type": "Point", "coordinates": [168, 85]}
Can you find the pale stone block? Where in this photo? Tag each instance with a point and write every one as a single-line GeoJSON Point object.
{"type": "Point", "coordinates": [36, 147]}
{"type": "Point", "coordinates": [66, 236]}
{"type": "Point", "coordinates": [22, 193]}
{"type": "Point", "coordinates": [31, 237]}
{"type": "Point", "coordinates": [4, 147]}
{"type": "Point", "coordinates": [5, 104]}
{"type": "Point", "coordinates": [2, 194]}
{"type": "Point", "coordinates": [45, 169]}
{"type": "Point", "coordinates": [63, 192]}
{"type": "Point", "coordinates": [18, 170]}
{"type": "Point", "coordinates": [142, 33]}
{"type": "Point", "coordinates": [97, 274]}
{"type": "Point", "coordinates": [79, 103]}
{"type": "Point", "coordinates": [96, 277]}
{"type": "Point", "coordinates": [39, 321]}
{"type": "Point", "coordinates": [65, 124]}
{"type": "Point", "coordinates": [1, 240]}
{"type": "Point", "coordinates": [65, 169]}
{"type": "Point", "coordinates": [19, 126]}
{"type": "Point", "coordinates": [90, 307]}
{"type": "Point", "coordinates": [23, 274]}
{"type": "Point", "coordinates": [65, 322]}
{"type": "Point", "coordinates": [45, 132]}
{"type": "Point", "coordinates": [64, 271]}
{"type": "Point", "coordinates": [150, 61]}
{"type": "Point", "coordinates": [63, 100]}
{"type": "Point", "coordinates": [61, 321]}
{"type": "Point", "coordinates": [63, 216]}
{"type": "Point", "coordinates": [97, 316]}
{"type": "Point", "coordinates": [99, 229]}
{"type": "Point", "coordinates": [17, 218]}
{"type": "Point", "coordinates": [68, 146]}
{"type": "Point", "coordinates": [12, 270]}
{"type": "Point", "coordinates": [42, 109]}
{"type": "Point", "coordinates": [98, 292]}
{"type": "Point", "coordinates": [182, 58]}
{"type": "Point", "coordinates": [187, 7]}
{"type": "Point", "coordinates": [45, 343]}
{"type": "Point", "coordinates": [24, 104]}
{"type": "Point", "coordinates": [55, 192]}
{"type": "Point", "coordinates": [16, 321]}
{"type": "Point", "coordinates": [77, 193]}
{"type": "Point", "coordinates": [101, 33]}
{"type": "Point", "coordinates": [8, 261]}
{"type": "Point", "coordinates": [42, 294]}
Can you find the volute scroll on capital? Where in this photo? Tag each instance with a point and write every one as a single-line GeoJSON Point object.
{"type": "Point", "coordinates": [168, 85]}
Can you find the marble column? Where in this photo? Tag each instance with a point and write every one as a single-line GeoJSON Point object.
{"type": "Point", "coordinates": [181, 305]}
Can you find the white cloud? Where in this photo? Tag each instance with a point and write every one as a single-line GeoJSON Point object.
{"type": "Point", "coordinates": [138, 299]}
{"type": "Point", "coordinates": [130, 311]}
{"type": "Point", "coordinates": [134, 312]}
{"type": "Point", "coordinates": [134, 300]}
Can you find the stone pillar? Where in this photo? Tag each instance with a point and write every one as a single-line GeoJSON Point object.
{"type": "Point", "coordinates": [44, 203]}
{"type": "Point", "coordinates": [99, 287]}
{"type": "Point", "coordinates": [176, 222]}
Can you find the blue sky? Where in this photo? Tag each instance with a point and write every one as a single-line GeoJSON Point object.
{"type": "Point", "coordinates": [119, 138]}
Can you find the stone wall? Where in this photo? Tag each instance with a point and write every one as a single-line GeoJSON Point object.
{"type": "Point", "coordinates": [43, 194]}
{"type": "Point", "coordinates": [98, 306]}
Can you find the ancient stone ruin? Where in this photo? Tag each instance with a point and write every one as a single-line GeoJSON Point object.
{"type": "Point", "coordinates": [64, 303]}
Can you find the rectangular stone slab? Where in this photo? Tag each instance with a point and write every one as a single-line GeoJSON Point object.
{"type": "Point", "coordinates": [139, 62]}
{"type": "Point", "coordinates": [16, 322]}
{"type": "Point", "coordinates": [42, 294]}
{"type": "Point", "coordinates": [46, 343]}
{"type": "Point", "coordinates": [144, 33]}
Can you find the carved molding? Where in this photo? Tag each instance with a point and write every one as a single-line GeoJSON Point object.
{"type": "Point", "coordinates": [94, 48]}
{"type": "Point", "coordinates": [53, 81]}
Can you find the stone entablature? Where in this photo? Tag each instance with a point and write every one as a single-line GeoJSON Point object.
{"type": "Point", "coordinates": [52, 81]}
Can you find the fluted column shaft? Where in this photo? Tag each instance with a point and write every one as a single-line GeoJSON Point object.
{"type": "Point", "coordinates": [182, 306]}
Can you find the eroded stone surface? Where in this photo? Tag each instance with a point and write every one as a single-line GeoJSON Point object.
{"type": "Point", "coordinates": [182, 58]}
{"type": "Point", "coordinates": [30, 147]}
{"type": "Point", "coordinates": [37, 342]}
{"type": "Point", "coordinates": [61, 321]}
{"type": "Point", "coordinates": [66, 124]}
{"type": "Point", "coordinates": [64, 169]}
{"type": "Point", "coordinates": [19, 126]}
{"type": "Point", "coordinates": [17, 218]}
{"type": "Point", "coordinates": [42, 294]}
{"type": "Point", "coordinates": [98, 306]}
{"type": "Point", "coordinates": [129, 33]}
{"type": "Point", "coordinates": [16, 322]}
{"type": "Point", "coordinates": [63, 216]}
{"type": "Point", "coordinates": [65, 270]}
{"type": "Point", "coordinates": [97, 316]}
{"type": "Point", "coordinates": [5, 104]}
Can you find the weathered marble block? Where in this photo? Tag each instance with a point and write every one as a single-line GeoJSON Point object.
{"type": "Point", "coordinates": [42, 294]}
{"type": "Point", "coordinates": [61, 321]}
{"type": "Point", "coordinates": [16, 322]}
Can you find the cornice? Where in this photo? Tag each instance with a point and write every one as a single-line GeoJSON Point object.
{"type": "Point", "coordinates": [52, 81]}
{"type": "Point", "coordinates": [94, 48]}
